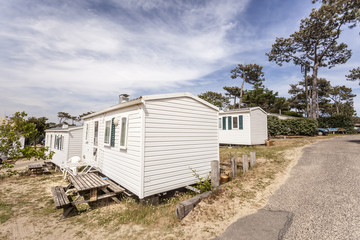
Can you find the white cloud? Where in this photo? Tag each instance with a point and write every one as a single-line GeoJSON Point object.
{"type": "Point", "coordinates": [97, 55]}
{"type": "Point", "coordinates": [72, 56]}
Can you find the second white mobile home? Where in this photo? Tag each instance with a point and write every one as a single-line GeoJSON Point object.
{"type": "Point", "coordinates": [246, 126]}
{"type": "Point", "coordinates": [65, 142]}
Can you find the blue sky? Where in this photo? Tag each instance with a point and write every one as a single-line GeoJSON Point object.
{"type": "Point", "coordinates": [78, 56]}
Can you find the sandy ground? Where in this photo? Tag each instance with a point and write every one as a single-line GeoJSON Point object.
{"type": "Point", "coordinates": [35, 216]}
{"type": "Point", "coordinates": [199, 223]}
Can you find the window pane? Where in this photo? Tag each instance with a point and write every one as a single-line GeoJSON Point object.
{"type": "Point", "coordinates": [235, 122]}
{"type": "Point", "coordinates": [107, 132]}
{"type": "Point", "coordinates": [219, 123]}
{"type": "Point", "coordinates": [240, 122]}
{"type": "Point", "coordinates": [224, 123]}
{"type": "Point", "coordinates": [123, 132]}
{"type": "Point", "coordinates": [96, 132]}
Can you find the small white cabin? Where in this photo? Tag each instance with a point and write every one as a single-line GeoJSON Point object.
{"type": "Point", "coordinates": [65, 142]}
{"type": "Point", "coordinates": [151, 144]}
{"type": "Point", "coordinates": [246, 126]}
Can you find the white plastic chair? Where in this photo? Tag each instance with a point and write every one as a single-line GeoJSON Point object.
{"type": "Point", "coordinates": [70, 166]}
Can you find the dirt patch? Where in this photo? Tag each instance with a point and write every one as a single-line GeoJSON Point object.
{"type": "Point", "coordinates": [33, 215]}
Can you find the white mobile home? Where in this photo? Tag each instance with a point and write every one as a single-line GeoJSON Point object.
{"type": "Point", "coordinates": [65, 142]}
{"type": "Point", "coordinates": [246, 126]}
{"type": "Point", "coordinates": [149, 145]}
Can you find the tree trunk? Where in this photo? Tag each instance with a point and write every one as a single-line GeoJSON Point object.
{"type": "Point", "coordinates": [314, 100]}
{"type": "Point", "coordinates": [241, 92]}
{"type": "Point", "coordinates": [306, 94]}
{"type": "Point", "coordinates": [337, 107]}
{"type": "Point", "coordinates": [317, 104]}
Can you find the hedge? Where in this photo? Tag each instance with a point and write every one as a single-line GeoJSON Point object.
{"type": "Point", "coordinates": [291, 127]}
{"type": "Point", "coordinates": [339, 121]}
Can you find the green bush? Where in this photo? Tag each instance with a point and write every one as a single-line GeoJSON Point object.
{"type": "Point", "coordinates": [339, 121]}
{"type": "Point", "coordinates": [274, 126]}
{"type": "Point", "coordinates": [203, 183]}
{"type": "Point", "coordinates": [291, 127]}
{"type": "Point", "coordinates": [299, 126]}
{"type": "Point", "coordinates": [293, 114]}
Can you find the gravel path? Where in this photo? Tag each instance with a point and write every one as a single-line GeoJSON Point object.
{"type": "Point", "coordinates": [320, 200]}
{"type": "Point", "coordinates": [323, 191]}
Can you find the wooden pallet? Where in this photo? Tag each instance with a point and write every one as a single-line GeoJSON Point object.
{"type": "Point", "coordinates": [114, 187]}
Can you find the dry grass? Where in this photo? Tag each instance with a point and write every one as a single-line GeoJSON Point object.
{"type": "Point", "coordinates": [27, 210]}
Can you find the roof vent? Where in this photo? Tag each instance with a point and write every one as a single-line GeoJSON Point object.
{"type": "Point", "coordinates": [123, 98]}
{"type": "Point", "coordinates": [64, 126]}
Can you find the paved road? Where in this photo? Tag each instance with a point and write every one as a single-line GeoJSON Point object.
{"type": "Point", "coordinates": [320, 200]}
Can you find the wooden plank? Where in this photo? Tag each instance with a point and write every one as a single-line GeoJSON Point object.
{"type": "Point", "coordinates": [95, 179]}
{"type": "Point", "coordinates": [215, 175]}
{"type": "Point", "coordinates": [78, 184]}
{"type": "Point", "coordinates": [56, 199]}
{"type": "Point", "coordinates": [63, 195]}
{"type": "Point", "coordinates": [73, 181]}
{"type": "Point", "coordinates": [103, 196]}
{"type": "Point", "coordinates": [85, 182]}
{"type": "Point", "coordinates": [60, 198]}
{"type": "Point", "coordinates": [114, 187]}
{"type": "Point", "coordinates": [113, 198]}
{"type": "Point", "coordinates": [252, 159]}
{"type": "Point", "coordinates": [98, 181]}
{"type": "Point", "coordinates": [93, 194]}
{"type": "Point", "coordinates": [183, 208]}
{"type": "Point", "coordinates": [245, 163]}
{"type": "Point", "coordinates": [233, 168]}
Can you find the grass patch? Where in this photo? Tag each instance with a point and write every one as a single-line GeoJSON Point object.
{"type": "Point", "coordinates": [6, 212]}
{"type": "Point", "coordinates": [134, 212]}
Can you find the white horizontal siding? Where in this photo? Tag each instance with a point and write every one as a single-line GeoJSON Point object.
{"type": "Point", "coordinates": [75, 143]}
{"type": "Point", "coordinates": [258, 127]}
{"type": "Point", "coordinates": [173, 183]}
{"type": "Point", "coordinates": [181, 134]}
{"type": "Point", "coordinates": [121, 165]}
{"type": "Point", "coordinates": [236, 136]}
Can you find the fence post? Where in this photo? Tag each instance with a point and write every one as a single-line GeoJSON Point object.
{"type": "Point", "coordinates": [245, 163]}
{"type": "Point", "coordinates": [233, 168]}
{"type": "Point", "coordinates": [215, 173]}
{"type": "Point", "coordinates": [252, 159]}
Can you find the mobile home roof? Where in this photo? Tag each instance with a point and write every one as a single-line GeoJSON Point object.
{"type": "Point", "coordinates": [142, 99]}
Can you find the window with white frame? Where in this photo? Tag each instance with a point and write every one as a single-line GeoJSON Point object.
{"type": "Point", "coordinates": [59, 142]}
{"type": "Point", "coordinates": [107, 132]}
{"type": "Point", "coordinates": [86, 132]}
{"type": "Point", "coordinates": [55, 142]}
{"type": "Point", "coordinates": [219, 123]}
{"type": "Point", "coordinates": [96, 132]}
{"type": "Point", "coordinates": [235, 122]}
{"type": "Point", "coordinates": [123, 132]}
